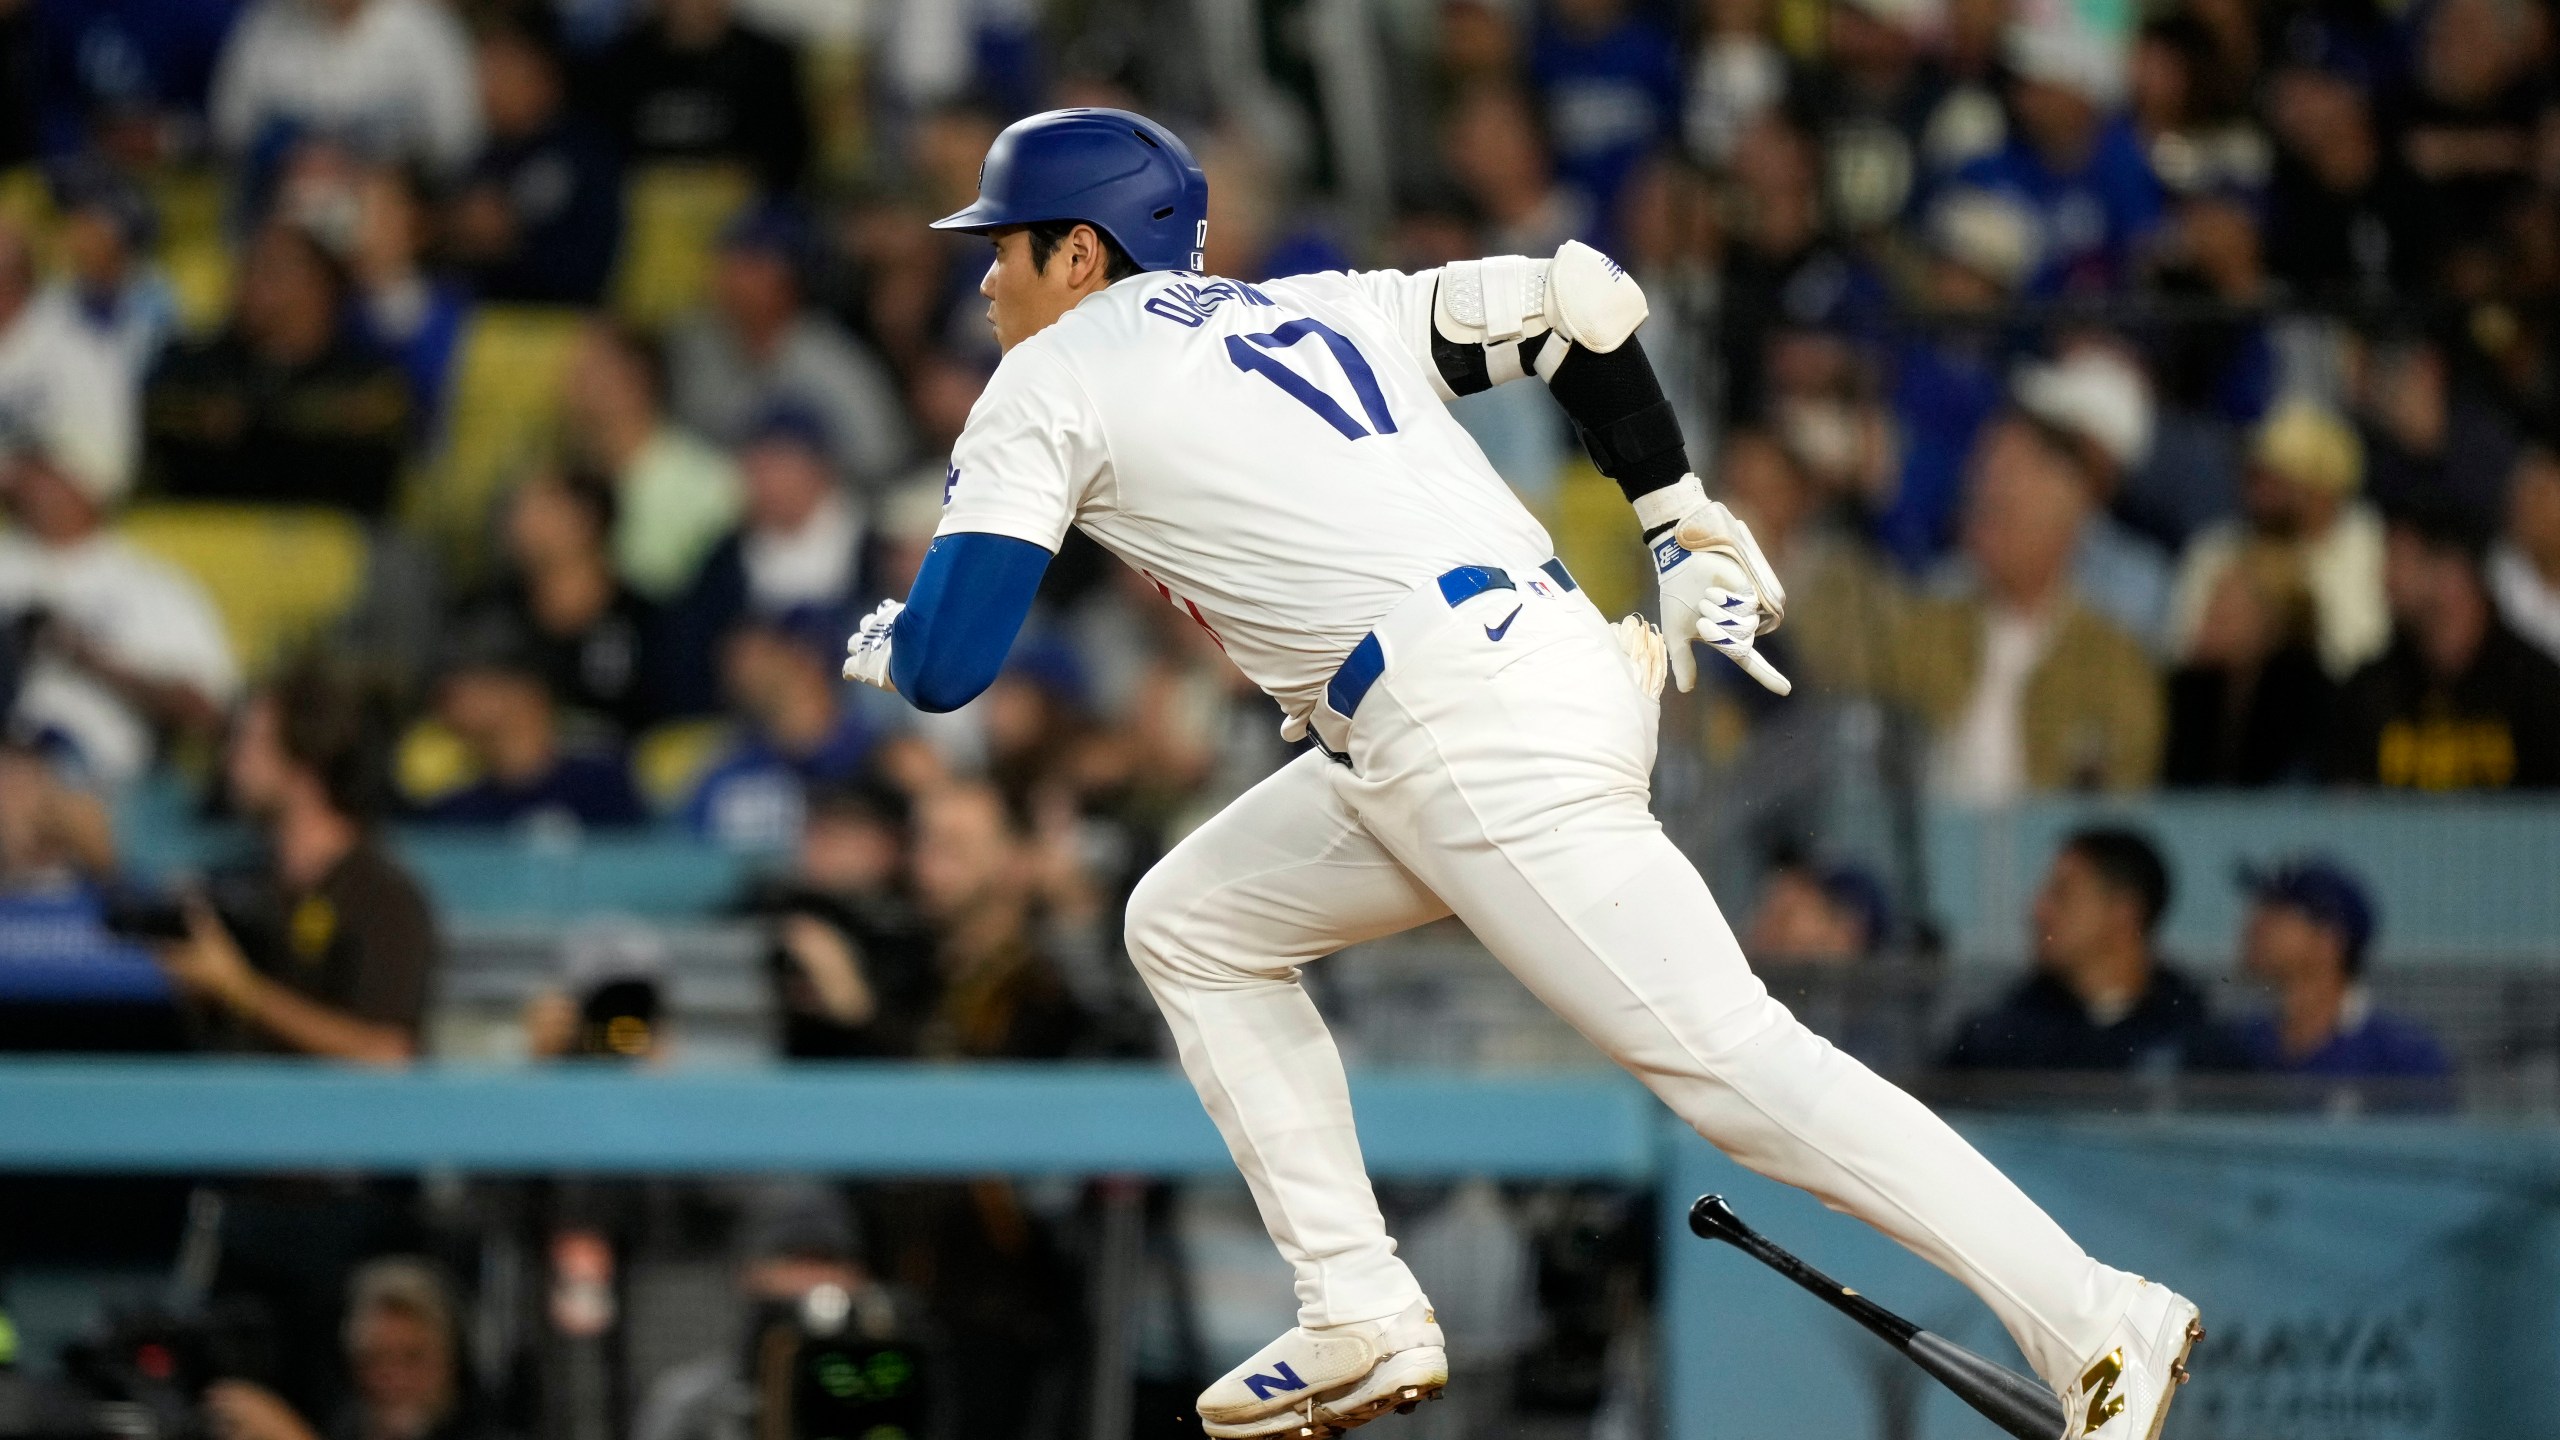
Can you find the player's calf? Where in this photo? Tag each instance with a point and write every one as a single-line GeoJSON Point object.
{"type": "Point", "coordinates": [1315, 1384]}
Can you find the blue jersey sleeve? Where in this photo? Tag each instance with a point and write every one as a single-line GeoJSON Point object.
{"type": "Point", "coordinates": [969, 601]}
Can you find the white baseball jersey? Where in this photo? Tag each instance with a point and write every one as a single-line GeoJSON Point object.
{"type": "Point", "coordinates": [1276, 458]}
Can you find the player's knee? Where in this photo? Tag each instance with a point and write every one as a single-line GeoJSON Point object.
{"type": "Point", "coordinates": [1152, 927]}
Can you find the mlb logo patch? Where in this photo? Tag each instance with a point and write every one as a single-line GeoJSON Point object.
{"type": "Point", "coordinates": [1539, 587]}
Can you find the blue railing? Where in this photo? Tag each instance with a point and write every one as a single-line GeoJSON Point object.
{"type": "Point", "coordinates": [2366, 1281]}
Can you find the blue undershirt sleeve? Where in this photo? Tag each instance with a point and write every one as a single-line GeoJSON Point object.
{"type": "Point", "coordinates": [970, 598]}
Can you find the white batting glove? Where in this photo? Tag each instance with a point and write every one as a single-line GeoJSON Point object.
{"type": "Point", "coordinates": [867, 653]}
{"type": "Point", "coordinates": [1716, 585]}
{"type": "Point", "coordinates": [1645, 650]}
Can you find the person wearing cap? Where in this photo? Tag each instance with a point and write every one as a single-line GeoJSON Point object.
{"type": "Point", "coordinates": [795, 1238]}
{"type": "Point", "coordinates": [2272, 611]}
{"type": "Point", "coordinates": [2457, 701]}
{"type": "Point", "coordinates": [797, 728]}
{"type": "Point", "coordinates": [2099, 403]}
{"type": "Point", "coordinates": [2074, 156]}
{"type": "Point", "coordinates": [758, 343]}
{"type": "Point", "coordinates": [494, 697]}
{"type": "Point", "coordinates": [801, 548]}
{"type": "Point", "coordinates": [118, 648]}
{"type": "Point", "coordinates": [1949, 381]}
{"type": "Point", "coordinates": [110, 283]}
{"type": "Point", "coordinates": [675, 494]}
{"type": "Point", "coordinates": [2309, 937]}
{"type": "Point", "coordinates": [47, 349]}
{"type": "Point", "coordinates": [286, 406]}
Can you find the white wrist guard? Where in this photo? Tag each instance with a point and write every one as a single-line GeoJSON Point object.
{"type": "Point", "coordinates": [1668, 505]}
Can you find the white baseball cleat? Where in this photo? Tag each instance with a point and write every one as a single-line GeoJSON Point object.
{"type": "Point", "coordinates": [1315, 1384]}
{"type": "Point", "coordinates": [2124, 1393]}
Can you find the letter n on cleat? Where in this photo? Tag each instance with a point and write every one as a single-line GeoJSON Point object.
{"type": "Point", "coordinates": [1263, 1385]}
{"type": "Point", "coordinates": [2100, 1383]}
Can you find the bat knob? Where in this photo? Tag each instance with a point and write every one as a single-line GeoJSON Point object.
{"type": "Point", "coordinates": [1711, 1218]}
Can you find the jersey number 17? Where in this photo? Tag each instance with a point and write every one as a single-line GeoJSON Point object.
{"type": "Point", "coordinates": [1243, 351]}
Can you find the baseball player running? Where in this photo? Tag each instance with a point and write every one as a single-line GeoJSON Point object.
{"type": "Point", "coordinates": [1277, 459]}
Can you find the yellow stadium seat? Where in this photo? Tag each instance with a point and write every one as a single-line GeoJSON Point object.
{"type": "Point", "coordinates": [193, 251]}
{"type": "Point", "coordinates": [279, 574]}
{"type": "Point", "coordinates": [672, 217]}
{"type": "Point", "coordinates": [26, 202]}
{"type": "Point", "coordinates": [431, 763]}
{"type": "Point", "coordinates": [1595, 536]}
{"type": "Point", "coordinates": [502, 416]}
{"type": "Point", "coordinates": [669, 761]}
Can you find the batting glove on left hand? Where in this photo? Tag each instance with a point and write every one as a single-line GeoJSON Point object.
{"type": "Point", "coordinates": [1716, 585]}
{"type": "Point", "coordinates": [867, 653]}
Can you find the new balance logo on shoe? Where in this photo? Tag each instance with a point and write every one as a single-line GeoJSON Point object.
{"type": "Point", "coordinates": [2104, 1403]}
{"type": "Point", "coordinates": [1262, 1386]}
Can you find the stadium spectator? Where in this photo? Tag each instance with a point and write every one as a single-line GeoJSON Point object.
{"type": "Point", "coordinates": [390, 79]}
{"type": "Point", "coordinates": [1827, 914]}
{"type": "Point", "coordinates": [2465, 129]}
{"type": "Point", "coordinates": [1737, 74]}
{"type": "Point", "coordinates": [798, 730]}
{"type": "Point", "coordinates": [2524, 570]}
{"type": "Point", "coordinates": [758, 344]}
{"type": "Point", "coordinates": [2025, 686]}
{"type": "Point", "coordinates": [1497, 152]}
{"type": "Point", "coordinates": [109, 280]}
{"type": "Point", "coordinates": [539, 216]}
{"type": "Point", "coordinates": [2458, 701]}
{"type": "Point", "coordinates": [674, 494]}
{"type": "Point", "coordinates": [795, 1238]}
{"type": "Point", "coordinates": [851, 962]}
{"type": "Point", "coordinates": [2308, 938]}
{"type": "Point", "coordinates": [49, 357]}
{"type": "Point", "coordinates": [340, 955]}
{"type": "Point", "coordinates": [284, 406]}
{"type": "Point", "coordinates": [1780, 270]}
{"type": "Point", "coordinates": [1874, 102]}
{"type": "Point", "coordinates": [1002, 995]}
{"type": "Point", "coordinates": [404, 1350]}
{"type": "Point", "coordinates": [598, 644]}
{"type": "Point", "coordinates": [2339, 200]}
{"type": "Point", "coordinates": [798, 555]}
{"type": "Point", "coordinates": [2099, 405]}
{"type": "Point", "coordinates": [116, 648]}
{"type": "Point", "coordinates": [1608, 77]}
{"type": "Point", "coordinates": [610, 1000]}
{"type": "Point", "coordinates": [2429, 439]}
{"type": "Point", "coordinates": [2074, 157]}
{"type": "Point", "coordinates": [126, 78]}
{"type": "Point", "coordinates": [496, 698]}
{"type": "Point", "coordinates": [2275, 610]}
{"type": "Point", "coordinates": [1840, 601]}
{"type": "Point", "coordinates": [402, 309]}
{"type": "Point", "coordinates": [691, 83]}
{"type": "Point", "coordinates": [2100, 997]}
{"type": "Point", "coordinates": [1949, 379]}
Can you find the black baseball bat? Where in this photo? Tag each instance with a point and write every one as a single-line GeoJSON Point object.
{"type": "Point", "coordinates": [2023, 1407]}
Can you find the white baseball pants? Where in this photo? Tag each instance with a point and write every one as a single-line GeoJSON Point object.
{"type": "Point", "coordinates": [1507, 780]}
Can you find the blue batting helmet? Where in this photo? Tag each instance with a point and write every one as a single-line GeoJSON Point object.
{"type": "Point", "coordinates": [1123, 174]}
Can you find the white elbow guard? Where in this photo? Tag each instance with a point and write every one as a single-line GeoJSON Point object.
{"type": "Point", "coordinates": [1581, 294]}
{"type": "Point", "coordinates": [1591, 300]}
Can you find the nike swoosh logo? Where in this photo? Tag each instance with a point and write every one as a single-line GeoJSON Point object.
{"type": "Point", "coordinates": [1496, 632]}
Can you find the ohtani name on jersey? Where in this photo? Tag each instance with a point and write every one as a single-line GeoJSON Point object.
{"type": "Point", "coordinates": [1187, 304]}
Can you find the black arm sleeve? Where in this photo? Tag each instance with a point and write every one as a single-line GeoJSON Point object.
{"type": "Point", "coordinates": [1616, 405]}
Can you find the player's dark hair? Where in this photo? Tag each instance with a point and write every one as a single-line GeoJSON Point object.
{"type": "Point", "coordinates": [1048, 235]}
{"type": "Point", "coordinates": [2127, 863]}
